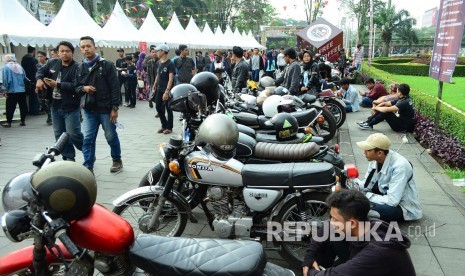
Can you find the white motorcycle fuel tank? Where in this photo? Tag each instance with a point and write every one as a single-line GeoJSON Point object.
{"type": "Point", "coordinates": [206, 169]}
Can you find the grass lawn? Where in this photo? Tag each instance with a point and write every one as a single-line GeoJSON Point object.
{"type": "Point", "coordinates": [454, 94]}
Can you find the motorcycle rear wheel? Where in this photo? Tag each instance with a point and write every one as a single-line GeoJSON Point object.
{"type": "Point", "coordinates": [329, 125]}
{"type": "Point", "coordinates": [315, 210]}
{"type": "Point", "coordinates": [338, 111]}
{"type": "Point", "coordinates": [139, 210]}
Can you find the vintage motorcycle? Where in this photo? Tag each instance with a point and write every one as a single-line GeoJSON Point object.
{"type": "Point", "coordinates": [57, 202]}
{"type": "Point", "coordinates": [243, 199]}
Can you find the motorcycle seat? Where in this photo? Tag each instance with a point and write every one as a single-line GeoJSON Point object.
{"type": "Point", "coordinates": [307, 98]}
{"type": "Point", "coordinates": [192, 256]}
{"type": "Point", "coordinates": [246, 130]}
{"type": "Point", "coordinates": [304, 117]}
{"type": "Point", "coordinates": [288, 175]}
{"type": "Point", "coordinates": [271, 138]}
{"type": "Point", "coordinates": [264, 122]}
{"type": "Point", "coordinates": [291, 152]}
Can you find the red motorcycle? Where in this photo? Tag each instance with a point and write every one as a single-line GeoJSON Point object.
{"type": "Point", "coordinates": [57, 202]}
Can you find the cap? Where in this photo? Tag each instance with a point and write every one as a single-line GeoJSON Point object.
{"type": "Point", "coordinates": [120, 50]}
{"type": "Point", "coordinates": [377, 140]}
{"type": "Point", "coordinates": [163, 47]}
{"type": "Point", "coordinates": [128, 58]}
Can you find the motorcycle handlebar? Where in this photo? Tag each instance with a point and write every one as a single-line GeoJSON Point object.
{"type": "Point", "coordinates": [59, 144]}
{"type": "Point", "coordinates": [67, 242]}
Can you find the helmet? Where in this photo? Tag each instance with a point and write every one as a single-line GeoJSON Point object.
{"type": "Point", "coordinates": [262, 96]}
{"type": "Point", "coordinates": [186, 98]}
{"type": "Point", "coordinates": [248, 99]}
{"type": "Point", "coordinates": [207, 83]}
{"type": "Point", "coordinates": [17, 192]}
{"type": "Point", "coordinates": [287, 104]}
{"type": "Point", "coordinates": [286, 126]}
{"type": "Point", "coordinates": [281, 91]}
{"type": "Point", "coordinates": [266, 82]}
{"type": "Point", "coordinates": [218, 134]}
{"type": "Point", "coordinates": [65, 189]}
{"type": "Point", "coordinates": [270, 106]}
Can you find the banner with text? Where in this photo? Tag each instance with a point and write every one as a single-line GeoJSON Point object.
{"type": "Point", "coordinates": [449, 30]}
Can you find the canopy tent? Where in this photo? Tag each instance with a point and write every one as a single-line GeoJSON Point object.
{"type": "Point", "coordinates": [119, 30]}
{"type": "Point", "coordinates": [219, 36]}
{"type": "Point", "coordinates": [151, 31]}
{"type": "Point", "coordinates": [174, 34]}
{"type": "Point", "coordinates": [73, 22]}
{"type": "Point", "coordinates": [228, 42]}
{"type": "Point", "coordinates": [18, 26]}
{"type": "Point", "coordinates": [209, 36]}
{"type": "Point", "coordinates": [194, 36]}
{"type": "Point", "coordinates": [253, 42]}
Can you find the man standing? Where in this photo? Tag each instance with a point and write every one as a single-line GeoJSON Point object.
{"type": "Point", "coordinates": [29, 64]}
{"type": "Point", "coordinates": [162, 86]}
{"type": "Point", "coordinates": [54, 53]}
{"type": "Point", "coordinates": [358, 57]}
{"type": "Point", "coordinates": [185, 65]}
{"type": "Point", "coordinates": [280, 62]}
{"type": "Point", "coordinates": [152, 66]}
{"type": "Point", "coordinates": [97, 82]}
{"type": "Point", "coordinates": [45, 96]}
{"type": "Point", "coordinates": [256, 65]}
{"type": "Point", "coordinates": [200, 61]}
{"type": "Point", "coordinates": [59, 74]}
{"type": "Point", "coordinates": [241, 70]}
{"type": "Point", "coordinates": [291, 77]}
{"type": "Point", "coordinates": [121, 67]}
{"type": "Point", "coordinates": [377, 90]}
{"type": "Point", "coordinates": [13, 81]}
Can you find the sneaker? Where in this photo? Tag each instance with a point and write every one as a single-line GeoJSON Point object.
{"type": "Point", "coordinates": [49, 121]}
{"type": "Point", "coordinates": [22, 124]}
{"type": "Point", "coordinates": [365, 127]}
{"type": "Point", "coordinates": [361, 123]}
{"type": "Point", "coordinates": [6, 125]}
{"type": "Point", "coordinates": [161, 130]}
{"type": "Point", "coordinates": [117, 166]}
{"type": "Point", "coordinates": [167, 131]}
{"type": "Point", "coordinates": [151, 104]}
{"type": "Point", "coordinates": [126, 105]}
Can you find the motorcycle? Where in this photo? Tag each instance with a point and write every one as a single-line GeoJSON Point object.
{"type": "Point", "coordinates": [335, 105]}
{"type": "Point", "coordinates": [93, 239]}
{"type": "Point", "coordinates": [244, 198]}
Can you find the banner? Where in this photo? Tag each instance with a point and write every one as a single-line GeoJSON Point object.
{"type": "Point", "coordinates": [143, 47]}
{"type": "Point", "coordinates": [449, 30]}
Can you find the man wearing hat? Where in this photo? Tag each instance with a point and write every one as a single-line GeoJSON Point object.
{"type": "Point", "coordinates": [389, 183]}
{"type": "Point", "coordinates": [120, 67]}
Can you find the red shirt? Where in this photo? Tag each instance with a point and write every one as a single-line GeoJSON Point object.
{"type": "Point", "coordinates": [377, 91]}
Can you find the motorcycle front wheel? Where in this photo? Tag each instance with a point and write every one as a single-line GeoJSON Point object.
{"type": "Point", "coordinates": [338, 111]}
{"type": "Point", "coordinates": [329, 125]}
{"type": "Point", "coordinates": [139, 210]}
{"type": "Point", "coordinates": [292, 249]}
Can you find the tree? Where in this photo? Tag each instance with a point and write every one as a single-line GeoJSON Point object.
{"type": "Point", "coordinates": [314, 8]}
{"type": "Point", "coordinates": [253, 14]}
{"type": "Point", "coordinates": [395, 22]}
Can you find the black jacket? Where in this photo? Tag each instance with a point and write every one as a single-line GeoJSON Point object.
{"type": "Point", "coordinates": [105, 81]}
{"type": "Point", "coordinates": [371, 257]}
{"type": "Point", "coordinates": [69, 98]}
{"type": "Point", "coordinates": [29, 64]}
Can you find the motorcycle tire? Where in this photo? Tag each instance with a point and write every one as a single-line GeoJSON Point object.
{"type": "Point", "coordinates": [193, 196]}
{"type": "Point", "coordinates": [316, 210]}
{"type": "Point", "coordinates": [338, 111]}
{"type": "Point", "coordinates": [329, 125]}
{"type": "Point", "coordinates": [138, 211]}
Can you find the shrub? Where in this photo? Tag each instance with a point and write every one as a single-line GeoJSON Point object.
{"type": "Point", "coordinates": [392, 60]}
{"type": "Point", "coordinates": [412, 69]}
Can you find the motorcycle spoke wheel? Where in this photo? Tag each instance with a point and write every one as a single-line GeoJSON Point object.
{"type": "Point", "coordinates": [138, 212]}
{"type": "Point", "coordinates": [338, 112]}
{"type": "Point", "coordinates": [315, 210]}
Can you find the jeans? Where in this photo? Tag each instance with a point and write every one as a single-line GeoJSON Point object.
{"type": "Point", "coordinates": [34, 106]}
{"type": "Point", "coordinates": [12, 100]}
{"type": "Point", "coordinates": [358, 67]}
{"type": "Point", "coordinates": [348, 108]}
{"type": "Point", "coordinates": [388, 213]}
{"type": "Point", "coordinates": [90, 126]}
{"type": "Point", "coordinates": [131, 92]}
{"type": "Point", "coordinates": [161, 106]}
{"type": "Point", "coordinates": [70, 123]}
{"type": "Point", "coordinates": [366, 102]}
{"type": "Point", "coordinates": [256, 75]}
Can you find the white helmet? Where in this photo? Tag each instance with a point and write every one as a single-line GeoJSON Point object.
{"type": "Point", "coordinates": [266, 81]}
{"type": "Point", "coordinates": [262, 96]}
{"type": "Point", "coordinates": [270, 105]}
{"type": "Point", "coordinates": [249, 99]}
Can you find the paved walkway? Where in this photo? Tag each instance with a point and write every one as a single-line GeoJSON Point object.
{"type": "Point", "coordinates": [438, 247]}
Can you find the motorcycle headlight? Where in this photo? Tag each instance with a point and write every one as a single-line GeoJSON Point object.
{"type": "Point", "coordinates": [15, 224]}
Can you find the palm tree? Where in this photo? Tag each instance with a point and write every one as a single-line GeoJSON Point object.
{"type": "Point", "coordinates": [394, 23]}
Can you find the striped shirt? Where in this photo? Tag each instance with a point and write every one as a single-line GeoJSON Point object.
{"type": "Point", "coordinates": [358, 56]}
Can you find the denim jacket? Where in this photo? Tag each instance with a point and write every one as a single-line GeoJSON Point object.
{"type": "Point", "coordinates": [393, 182]}
{"type": "Point", "coordinates": [13, 82]}
{"type": "Point", "coordinates": [351, 98]}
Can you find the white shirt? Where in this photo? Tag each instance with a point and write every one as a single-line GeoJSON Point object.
{"type": "Point", "coordinates": [280, 60]}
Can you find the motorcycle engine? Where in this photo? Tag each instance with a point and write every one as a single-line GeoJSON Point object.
{"type": "Point", "coordinates": [230, 213]}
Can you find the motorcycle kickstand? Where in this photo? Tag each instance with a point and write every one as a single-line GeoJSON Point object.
{"type": "Point", "coordinates": [208, 214]}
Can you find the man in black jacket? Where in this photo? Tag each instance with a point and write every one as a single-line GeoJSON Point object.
{"type": "Point", "coordinates": [97, 83]}
{"type": "Point", "coordinates": [291, 77]}
{"type": "Point", "coordinates": [370, 247]}
{"type": "Point", "coordinates": [29, 64]}
{"type": "Point", "coordinates": [59, 74]}
{"type": "Point", "coordinates": [241, 70]}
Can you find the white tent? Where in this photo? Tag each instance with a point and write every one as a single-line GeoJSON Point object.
{"type": "Point", "coordinates": [73, 22]}
{"type": "Point", "coordinates": [119, 30]}
{"type": "Point", "coordinates": [194, 36]}
{"type": "Point", "coordinates": [219, 36]}
{"type": "Point", "coordinates": [228, 39]}
{"type": "Point", "coordinates": [253, 42]}
{"type": "Point", "coordinates": [209, 37]}
{"type": "Point", "coordinates": [151, 31]}
{"type": "Point", "coordinates": [174, 34]}
{"type": "Point", "coordinates": [18, 26]}
{"type": "Point", "coordinates": [238, 38]}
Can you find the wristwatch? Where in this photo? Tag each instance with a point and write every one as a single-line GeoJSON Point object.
{"type": "Point", "coordinates": [115, 108]}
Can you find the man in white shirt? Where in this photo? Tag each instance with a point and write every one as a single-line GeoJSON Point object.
{"type": "Point", "coordinates": [280, 62]}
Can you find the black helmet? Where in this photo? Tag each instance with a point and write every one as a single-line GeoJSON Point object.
{"type": "Point", "coordinates": [207, 83]}
{"type": "Point", "coordinates": [218, 133]}
{"type": "Point", "coordinates": [186, 98]}
{"type": "Point", "coordinates": [65, 189]}
{"type": "Point", "coordinates": [281, 91]}
{"type": "Point", "coordinates": [286, 126]}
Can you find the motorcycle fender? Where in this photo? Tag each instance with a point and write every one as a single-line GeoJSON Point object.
{"type": "Point", "coordinates": [340, 101]}
{"type": "Point", "coordinates": [279, 206]}
{"type": "Point", "coordinates": [21, 260]}
{"type": "Point", "coordinates": [318, 104]}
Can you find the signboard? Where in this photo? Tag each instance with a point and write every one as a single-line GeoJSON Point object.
{"type": "Point", "coordinates": [327, 38]}
{"type": "Point", "coordinates": [429, 18]}
{"type": "Point", "coordinates": [449, 30]}
{"type": "Point", "coordinates": [143, 47]}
